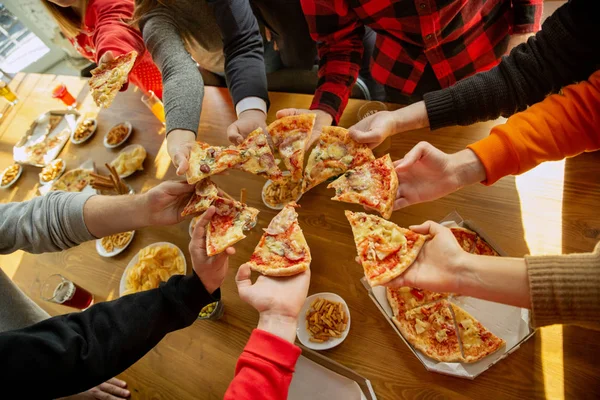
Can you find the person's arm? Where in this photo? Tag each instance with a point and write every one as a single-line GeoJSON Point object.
{"type": "Point", "coordinates": [266, 366]}
{"type": "Point", "coordinates": [563, 125]}
{"type": "Point", "coordinates": [527, 16]}
{"type": "Point", "coordinates": [563, 52]}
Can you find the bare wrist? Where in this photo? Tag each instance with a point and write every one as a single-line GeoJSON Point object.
{"type": "Point", "coordinates": [279, 325]}
{"type": "Point", "coordinates": [467, 167]}
{"type": "Point", "coordinates": [411, 117]}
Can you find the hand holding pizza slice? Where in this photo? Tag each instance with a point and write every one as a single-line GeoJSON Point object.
{"type": "Point", "coordinates": [335, 153]}
{"type": "Point", "coordinates": [257, 157]}
{"type": "Point", "coordinates": [205, 194]}
{"type": "Point", "coordinates": [206, 160]}
{"type": "Point", "coordinates": [290, 135]}
{"type": "Point", "coordinates": [228, 224]}
{"type": "Point", "coordinates": [109, 77]}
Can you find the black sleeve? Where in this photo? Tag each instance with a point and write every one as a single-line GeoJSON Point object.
{"type": "Point", "coordinates": [74, 352]}
{"type": "Point", "coordinates": [243, 47]}
{"type": "Point", "coordinates": [566, 50]}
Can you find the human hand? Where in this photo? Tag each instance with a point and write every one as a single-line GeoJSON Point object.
{"type": "Point", "coordinates": [210, 270]}
{"type": "Point", "coordinates": [426, 173]}
{"type": "Point", "coordinates": [106, 57]}
{"type": "Point", "coordinates": [277, 299]}
{"type": "Point", "coordinates": [112, 389]}
{"type": "Point", "coordinates": [438, 266]}
{"type": "Point", "coordinates": [165, 202]}
{"type": "Point", "coordinates": [179, 146]}
{"type": "Point", "coordinates": [322, 119]}
{"type": "Point", "coordinates": [516, 40]}
{"type": "Point", "coordinates": [248, 121]}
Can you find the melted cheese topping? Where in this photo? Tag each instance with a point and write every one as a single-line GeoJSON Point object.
{"type": "Point", "coordinates": [282, 221]}
{"type": "Point", "coordinates": [390, 239]}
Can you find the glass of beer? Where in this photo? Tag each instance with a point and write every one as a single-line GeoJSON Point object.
{"type": "Point", "coordinates": [8, 94]}
{"type": "Point", "coordinates": [58, 289]}
{"type": "Point", "coordinates": [371, 108]}
{"type": "Point", "coordinates": [155, 105]}
{"type": "Point", "coordinates": [62, 93]}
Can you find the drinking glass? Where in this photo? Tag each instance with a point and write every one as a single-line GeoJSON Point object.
{"type": "Point", "coordinates": [58, 289]}
{"type": "Point", "coordinates": [155, 105]}
{"type": "Point", "coordinates": [8, 94]}
{"type": "Point", "coordinates": [62, 93]}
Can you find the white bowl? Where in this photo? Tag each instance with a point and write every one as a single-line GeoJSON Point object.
{"type": "Point", "coordinates": [62, 171]}
{"type": "Point", "coordinates": [134, 260]}
{"type": "Point", "coordinates": [103, 253]}
{"type": "Point", "coordinates": [126, 150]}
{"type": "Point", "coordinates": [14, 180]}
{"type": "Point", "coordinates": [85, 139]}
{"type": "Point", "coordinates": [266, 185]}
{"type": "Point", "coordinates": [304, 335]}
{"type": "Point", "coordinates": [113, 146]}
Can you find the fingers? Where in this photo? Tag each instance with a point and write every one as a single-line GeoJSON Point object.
{"type": "Point", "coordinates": [180, 160]}
{"type": "Point", "coordinates": [414, 155]}
{"type": "Point", "coordinates": [178, 188]}
{"type": "Point", "coordinates": [234, 135]}
{"type": "Point", "coordinates": [117, 382]}
{"type": "Point", "coordinates": [242, 278]}
{"type": "Point", "coordinates": [401, 203]}
{"type": "Point", "coordinates": [112, 392]}
{"type": "Point", "coordinates": [199, 234]}
{"type": "Point", "coordinates": [397, 282]}
{"type": "Point", "coordinates": [267, 34]}
{"type": "Point", "coordinates": [287, 112]}
{"type": "Point", "coordinates": [374, 136]}
{"type": "Point", "coordinates": [428, 227]}
{"type": "Point", "coordinates": [230, 251]}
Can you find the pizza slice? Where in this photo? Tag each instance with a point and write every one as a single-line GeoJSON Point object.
{"type": "Point", "coordinates": [407, 298]}
{"type": "Point", "coordinates": [206, 160]}
{"type": "Point", "coordinates": [483, 248]}
{"type": "Point", "coordinates": [373, 184]}
{"type": "Point", "coordinates": [227, 225]}
{"type": "Point", "coordinates": [289, 136]}
{"type": "Point", "coordinates": [257, 157]}
{"type": "Point", "coordinates": [466, 238]}
{"type": "Point", "coordinates": [205, 194]}
{"type": "Point", "coordinates": [108, 78]}
{"type": "Point", "coordinates": [335, 153]}
{"type": "Point", "coordinates": [477, 342]}
{"type": "Point", "coordinates": [282, 250]}
{"type": "Point", "coordinates": [430, 329]}
{"type": "Point", "coordinates": [385, 250]}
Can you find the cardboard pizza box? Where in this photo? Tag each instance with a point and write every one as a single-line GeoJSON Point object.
{"type": "Point", "coordinates": [320, 378]}
{"type": "Point", "coordinates": [507, 322]}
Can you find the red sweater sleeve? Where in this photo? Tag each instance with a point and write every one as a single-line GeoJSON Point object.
{"type": "Point", "coordinates": [108, 20]}
{"type": "Point", "coordinates": [563, 125]}
{"type": "Point", "coordinates": [265, 368]}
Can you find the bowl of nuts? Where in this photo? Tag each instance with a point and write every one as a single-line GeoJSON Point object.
{"type": "Point", "coordinates": [10, 175]}
{"type": "Point", "coordinates": [52, 171]}
{"type": "Point", "coordinates": [212, 311]}
{"type": "Point", "coordinates": [117, 135]}
{"type": "Point", "coordinates": [84, 131]}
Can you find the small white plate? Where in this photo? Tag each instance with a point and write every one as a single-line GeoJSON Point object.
{"type": "Point", "coordinates": [134, 260]}
{"type": "Point", "coordinates": [126, 150]}
{"type": "Point", "coordinates": [85, 139]}
{"type": "Point", "coordinates": [102, 251]}
{"type": "Point", "coordinates": [62, 171]}
{"type": "Point", "coordinates": [269, 183]}
{"type": "Point", "coordinates": [14, 180]}
{"type": "Point", "coordinates": [302, 332]}
{"type": "Point", "coordinates": [113, 146]}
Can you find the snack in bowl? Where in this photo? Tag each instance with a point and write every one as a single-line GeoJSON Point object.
{"type": "Point", "coordinates": [85, 129]}
{"type": "Point", "coordinates": [74, 180]}
{"type": "Point", "coordinates": [117, 134]}
{"type": "Point", "coordinates": [52, 171]}
{"type": "Point", "coordinates": [325, 319]}
{"type": "Point", "coordinates": [116, 241]}
{"type": "Point", "coordinates": [36, 153]}
{"type": "Point", "coordinates": [129, 160]}
{"type": "Point", "coordinates": [278, 194]}
{"type": "Point", "coordinates": [155, 264]}
{"type": "Point", "coordinates": [10, 174]}
{"type": "Point", "coordinates": [207, 310]}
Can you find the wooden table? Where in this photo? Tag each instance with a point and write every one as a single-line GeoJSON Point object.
{"type": "Point", "coordinates": [551, 209]}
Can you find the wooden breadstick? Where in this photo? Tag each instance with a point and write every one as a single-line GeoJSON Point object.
{"type": "Point", "coordinates": [243, 196]}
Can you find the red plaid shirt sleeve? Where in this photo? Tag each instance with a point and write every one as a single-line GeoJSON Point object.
{"type": "Point", "coordinates": [338, 33]}
{"type": "Point", "coordinates": [527, 15]}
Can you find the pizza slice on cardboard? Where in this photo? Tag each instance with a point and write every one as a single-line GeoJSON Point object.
{"type": "Point", "coordinates": [289, 135]}
{"type": "Point", "coordinates": [108, 78]}
{"type": "Point", "coordinates": [335, 153]}
{"type": "Point", "coordinates": [257, 157]}
{"type": "Point", "coordinates": [477, 342]}
{"type": "Point", "coordinates": [406, 298]}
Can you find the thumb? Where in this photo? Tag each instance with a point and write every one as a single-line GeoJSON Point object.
{"type": "Point", "coordinates": [242, 278]}
{"type": "Point", "coordinates": [428, 227]}
{"type": "Point", "coordinates": [180, 160]}
{"type": "Point", "coordinates": [370, 136]}
{"type": "Point", "coordinates": [414, 155]}
{"type": "Point", "coordinates": [234, 135]}
{"type": "Point", "coordinates": [286, 112]}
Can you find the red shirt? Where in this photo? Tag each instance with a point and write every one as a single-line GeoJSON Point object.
{"type": "Point", "coordinates": [105, 28]}
{"type": "Point", "coordinates": [265, 368]}
{"type": "Point", "coordinates": [457, 37]}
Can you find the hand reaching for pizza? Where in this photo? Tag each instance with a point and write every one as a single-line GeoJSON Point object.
{"type": "Point", "coordinates": [179, 146]}
{"type": "Point", "coordinates": [323, 119]}
{"type": "Point", "coordinates": [248, 121]}
{"type": "Point", "coordinates": [210, 270]}
{"type": "Point", "coordinates": [277, 299]}
{"type": "Point", "coordinates": [438, 266]}
{"type": "Point", "coordinates": [106, 57]}
{"type": "Point", "coordinates": [165, 202]}
{"type": "Point", "coordinates": [426, 173]}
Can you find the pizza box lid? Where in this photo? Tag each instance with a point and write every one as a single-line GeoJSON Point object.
{"type": "Point", "coordinates": [318, 377]}
{"type": "Point", "coordinates": [508, 322]}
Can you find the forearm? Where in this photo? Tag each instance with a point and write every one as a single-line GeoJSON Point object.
{"type": "Point", "coordinates": [71, 353]}
{"type": "Point", "coordinates": [411, 117]}
{"type": "Point", "coordinates": [284, 327]}
{"type": "Point", "coordinates": [466, 168]}
{"type": "Point", "coordinates": [499, 279]}
{"type": "Point", "coordinates": [107, 215]}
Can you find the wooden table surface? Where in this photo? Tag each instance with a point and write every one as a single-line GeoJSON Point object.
{"type": "Point", "coordinates": [551, 209]}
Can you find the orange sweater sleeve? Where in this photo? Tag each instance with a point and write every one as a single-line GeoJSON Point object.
{"type": "Point", "coordinates": [563, 125]}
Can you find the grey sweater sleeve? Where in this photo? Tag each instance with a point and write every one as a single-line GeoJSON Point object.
{"type": "Point", "coordinates": [243, 47]}
{"type": "Point", "coordinates": [49, 223]}
{"type": "Point", "coordinates": [566, 50]}
{"type": "Point", "coordinates": [183, 87]}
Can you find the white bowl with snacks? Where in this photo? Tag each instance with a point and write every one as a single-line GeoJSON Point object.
{"type": "Point", "coordinates": [129, 160]}
{"type": "Point", "coordinates": [181, 269]}
{"type": "Point", "coordinates": [84, 131]}
{"type": "Point", "coordinates": [52, 171]}
{"type": "Point", "coordinates": [117, 135]}
{"type": "Point", "coordinates": [332, 326]}
{"type": "Point", "coordinates": [10, 175]}
{"type": "Point", "coordinates": [112, 245]}
{"type": "Point", "coordinates": [276, 196]}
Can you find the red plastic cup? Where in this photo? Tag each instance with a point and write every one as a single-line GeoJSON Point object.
{"type": "Point", "coordinates": [62, 93]}
{"type": "Point", "coordinates": [58, 289]}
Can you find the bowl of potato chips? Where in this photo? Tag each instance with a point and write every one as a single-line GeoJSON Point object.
{"type": "Point", "coordinates": [110, 246]}
{"type": "Point", "coordinates": [152, 265]}
{"type": "Point", "coordinates": [129, 160]}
